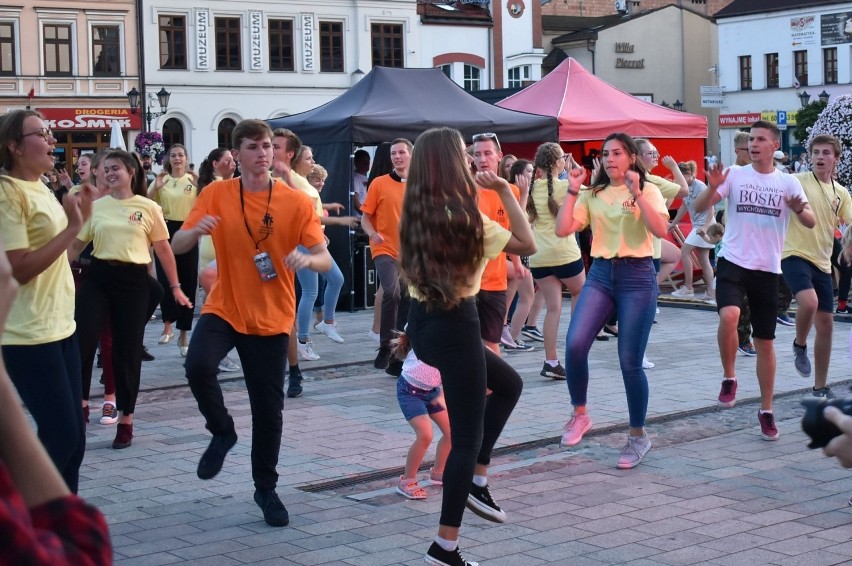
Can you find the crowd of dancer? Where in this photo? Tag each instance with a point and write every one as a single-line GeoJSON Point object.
{"type": "Point", "coordinates": [469, 245]}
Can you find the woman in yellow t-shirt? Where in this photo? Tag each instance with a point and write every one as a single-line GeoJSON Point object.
{"type": "Point", "coordinates": [123, 227]}
{"type": "Point", "coordinates": [444, 244]}
{"type": "Point", "coordinates": [625, 213]}
{"type": "Point", "coordinates": [175, 190]}
{"type": "Point", "coordinates": [39, 343]}
{"type": "Point", "coordinates": [558, 261]}
{"type": "Point", "coordinates": [309, 280]}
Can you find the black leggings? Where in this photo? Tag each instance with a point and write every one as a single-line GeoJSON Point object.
{"type": "Point", "coordinates": [118, 293]}
{"type": "Point", "coordinates": [187, 272]}
{"type": "Point", "coordinates": [449, 341]}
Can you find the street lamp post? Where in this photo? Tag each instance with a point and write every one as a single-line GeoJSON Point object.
{"type": "Point", "coordinates": [823, 97]}
{"type": "Point", "coordinates": [678, 105]}
{"type": "Point", "coordinates": [804, 98]}
{"type": "Point", "coordinates": [134, 98]}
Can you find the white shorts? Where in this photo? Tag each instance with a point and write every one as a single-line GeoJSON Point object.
{"type": "Point", "coordinates": [697, 241]}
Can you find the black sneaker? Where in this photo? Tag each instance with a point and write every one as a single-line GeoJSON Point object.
{"type": "Point", "coordinates": [437, 556]}
{"type": "Point", "coordinates": [274, 512]}
{"type": "Point", "coordinates": [553, 372]}
{"type": "Point", "coordinates": [146, 355]}
{"type": "Point", "coordinates": [294, 387]}
{"type": "Point", "coordinates": [382, 358]}
{"type": "Point", "coordinates": [213, 458]}
{"type": "Point", "coordinates": [479, 501]}
{"type": "Point", "coordinates": [394, 368]}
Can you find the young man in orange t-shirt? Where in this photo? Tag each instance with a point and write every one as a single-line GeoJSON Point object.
{"type": "Point", "coordinates": [380, 221]}
{"type": "Point", "coordinates": [256, 223]}
{"type": "Point", "coordinates": [491, 299]}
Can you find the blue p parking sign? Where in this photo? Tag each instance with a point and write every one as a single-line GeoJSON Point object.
{"type": "Point", "coordinates": [782, 119]}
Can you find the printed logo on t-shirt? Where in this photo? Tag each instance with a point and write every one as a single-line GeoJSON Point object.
{"type": "Point", "coordinates": [187, 190]}
{"type": "Point", "coordinates": [266, 225]}
{"type": "Point", "coordinates": [135, 218]}
{"type": "Point", "coordinates": [756, 199]}
{"type": "Point", "coordinates": [629, 206]}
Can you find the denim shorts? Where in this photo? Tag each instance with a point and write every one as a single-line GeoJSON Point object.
{"type": "Point", "coordinates": [414, 401]}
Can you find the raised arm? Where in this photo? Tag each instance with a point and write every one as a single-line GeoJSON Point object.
{"type": "Point", "coordinates": [522, 241]}
{"type": "Point", "coordinates": [184, 240]}
{"type": "Point", "coordinates": [566, 224]}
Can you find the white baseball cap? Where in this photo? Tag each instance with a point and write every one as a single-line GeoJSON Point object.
{"type": "Point", "coordinates": [778, 155]}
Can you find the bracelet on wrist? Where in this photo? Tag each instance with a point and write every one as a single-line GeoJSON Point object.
{"type": "Point", "coordinates": [573, 193]}
{"type": "Point", "coordinates": [175, 286]}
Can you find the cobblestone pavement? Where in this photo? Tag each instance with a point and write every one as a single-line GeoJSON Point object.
{"type": "Point", "coordinates": [710, 491]}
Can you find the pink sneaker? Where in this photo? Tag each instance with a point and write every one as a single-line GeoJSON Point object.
{"type": "Point", "coordinates": [575, 429]}
{"type": "Point", "coordinates": [728, 394]}
{"type": "Point", "coordinates": [767, 426]}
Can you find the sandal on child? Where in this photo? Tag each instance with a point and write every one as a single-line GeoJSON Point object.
{"type": "Point", "coordinates": [435, 477]}
{"type": "Point", "coordinates": [409, 488]}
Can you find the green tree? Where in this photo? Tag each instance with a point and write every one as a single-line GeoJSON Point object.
{"type": "Point", "coordinates": [806, 118]}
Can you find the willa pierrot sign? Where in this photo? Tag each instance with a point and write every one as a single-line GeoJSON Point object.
{"type": "Point", "coordinates": [90, 118]}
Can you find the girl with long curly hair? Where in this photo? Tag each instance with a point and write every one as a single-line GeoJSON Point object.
{"type": "Point", "coordinates": [444, 244]}
{"type": "Point", "coordinates": [625, 213]}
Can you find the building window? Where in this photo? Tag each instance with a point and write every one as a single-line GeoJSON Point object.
{"type": "Point", "coordinates": [172, 42]}
{"type": "Point", "coordinates": [105, 51]}
{"type": "Point", "coordinates": [7, 48]}
{"type": "Point", "coordinates": [57, 49]}
{"type": "Point", "coordinates": [771, 70]}
{"type": "Point", "coordinates": [471, 78]}
{"type": "Point", "coordinates": [829, 66]}
{"type": "Point", "coordinates": [447, 70]}
{"type": "Point", "coordinates": [228, 44]}
{"type": "Point", "coordinates": [519, 75]}
{"type": "Point", "coordinates": [386, 40]}
{"type": "Point", "coordinates": [745, 72]}
{"type": "Point", "coordinates": [331, 47]}
{"type": "Point", "coordinates": [172, 132]}
{"type": "Point", "coordinates": [800, 66]}
{"type": "Point", "coordinates": [281, 45]}
{"type": "Point", "coordinates": [224, 131]}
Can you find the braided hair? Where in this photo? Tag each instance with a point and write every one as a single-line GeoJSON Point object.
{"type": "Point", "coordinates": [546, 157]}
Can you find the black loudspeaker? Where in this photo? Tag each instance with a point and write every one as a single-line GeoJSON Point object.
{"type": "Point", "coordinates": [366, 280]}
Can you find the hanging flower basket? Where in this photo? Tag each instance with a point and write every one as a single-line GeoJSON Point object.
{"type": "Point", "coordinates": [836, 120]}
{"type": "Point", "coordinates": [152, 145]}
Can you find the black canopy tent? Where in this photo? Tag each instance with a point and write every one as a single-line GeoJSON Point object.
{"type": "Point", "coordinates": [393, 103]}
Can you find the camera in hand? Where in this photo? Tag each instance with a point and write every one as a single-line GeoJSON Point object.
{"type": "Point", "coordinates": [814, 423]}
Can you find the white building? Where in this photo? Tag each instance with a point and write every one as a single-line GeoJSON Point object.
{"type": "Point", "coordinates": [226, 61]}
{"type": "Point", "coordinates": [768, 58]}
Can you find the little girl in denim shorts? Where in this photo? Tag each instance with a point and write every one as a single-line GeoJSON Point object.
{"type": "Point", "coordinates": [420, 398]}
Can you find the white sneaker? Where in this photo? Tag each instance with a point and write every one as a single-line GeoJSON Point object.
{"type": "Point", "coordinates": [646, 363]}
{"type": "Point", "coordinates": [306, 350]}
{"type": "Point", "coordinates": [329, 330]}
{"type": "Point", "coordinates": [683, 293]}
{"type": "Point", "coordinates": [228, 365]}
{"type": "Point", "coordinates": [374, 336]}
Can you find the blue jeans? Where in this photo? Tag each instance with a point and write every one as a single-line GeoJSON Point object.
{"type": "Point", "coordinates": [309, 281]}
{"type": "Point", "coordinates": [627, 287]}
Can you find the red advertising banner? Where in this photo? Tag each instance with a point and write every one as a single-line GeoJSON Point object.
{"type": "Point", "coordinates": [738, 120]}
{"type": "Point", "coordinates": [90, 118]}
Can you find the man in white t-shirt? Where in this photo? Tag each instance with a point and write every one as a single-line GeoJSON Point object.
{"type": "Point", "coordinates": [761, 200]}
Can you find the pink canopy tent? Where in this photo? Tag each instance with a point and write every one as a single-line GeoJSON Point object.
{"type": "Point", "coordinates": [589, 108]}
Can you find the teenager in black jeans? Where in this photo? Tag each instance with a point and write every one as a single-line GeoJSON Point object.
{"type": "Point", "coordinates": [444, 244]}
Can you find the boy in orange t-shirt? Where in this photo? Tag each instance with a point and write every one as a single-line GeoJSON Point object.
{"type": "Point", "coordinates": [380, 221]}
{"type": "Point", "coordinates": [256, 223]}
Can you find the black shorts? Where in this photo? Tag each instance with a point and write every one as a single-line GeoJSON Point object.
{"type": "Point", "coordinates": [564, 271]}
{"type": "Point", "coordinates": [734, 284]}
{"type": "Point", "coordinates": [491, 306]}
{"type": "Point", "coordinates": [800, 274]}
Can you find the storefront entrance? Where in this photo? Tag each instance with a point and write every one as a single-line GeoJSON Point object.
{"type": "Point", "coordinates": [70, 145]}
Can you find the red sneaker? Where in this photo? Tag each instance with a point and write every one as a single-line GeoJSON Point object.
{"type": "Point", "coordinates": [728, 394]}
{"type": "Point", "coordinates": [767, 426]}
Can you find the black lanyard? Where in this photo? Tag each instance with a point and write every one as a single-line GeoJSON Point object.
{"type": "Point", "coordinates": [835, 210]}
{"type": "Point", "coordinates": [243, 208]}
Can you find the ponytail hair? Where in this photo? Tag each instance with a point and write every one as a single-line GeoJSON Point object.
{"type": "Point", "coordinates": [206, 174]}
